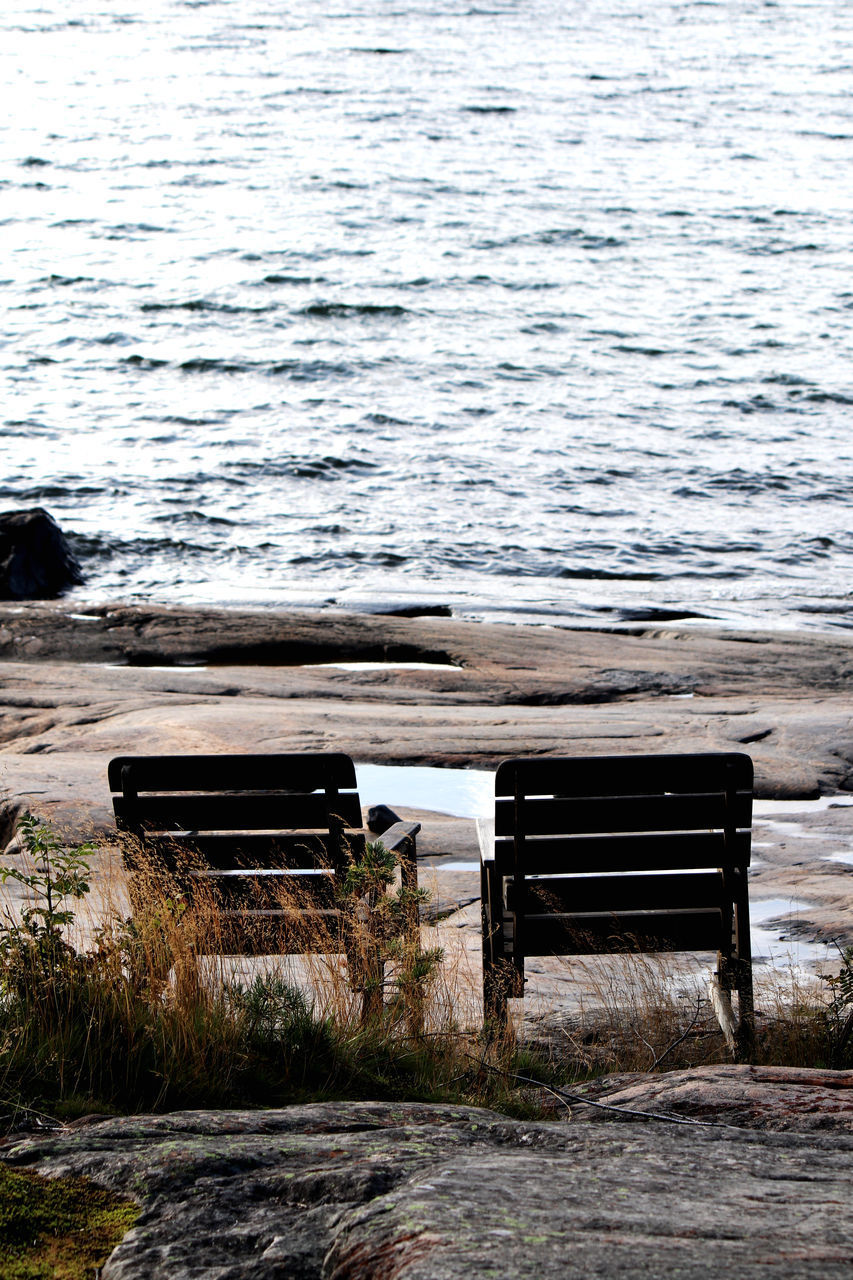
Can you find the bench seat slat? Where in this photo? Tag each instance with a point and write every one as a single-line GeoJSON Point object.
{"type": "Point", "coordinates": [623, 931]}
{"type": "Point", "coordinates": [271, 892]}
{"type": "Point", "coordinates": [623, 775]}
{"type": "Point", "coordinates": [626, 852]}
{"type": "Point", "coordinates": [278, 811]}
{"type": "Point", "coordinates": [574, 894]}
{"type": "Point", "coordinates": [234, 772]}
{"type": "Point", "coordinates": [246, 850]}
{"type": "Point", "coordinates": [696, 812]}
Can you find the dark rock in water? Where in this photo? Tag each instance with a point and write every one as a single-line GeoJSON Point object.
{"type": "Point", "coordinates": [412, 610]}
{"type": "Point", "coordinates": [35, 559]}
{"type": "Point", "coordinates": [380, 818]}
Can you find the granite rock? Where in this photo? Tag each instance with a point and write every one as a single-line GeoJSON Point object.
{"type": "Point", "coordinates": [375, 1191]}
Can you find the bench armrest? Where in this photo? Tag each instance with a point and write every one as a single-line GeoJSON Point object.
{"type": "Point", "coordinates": [486, 839]}
{"type": "Point", "coordinates": [397, 835]}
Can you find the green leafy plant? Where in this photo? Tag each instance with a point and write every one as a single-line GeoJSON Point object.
{"type": "Point", "coordinates": [34, 947]}
{"type": "Point", "coordinates": [840, 1010]}
{"type": "Point", "coordinates": [147, 1015]}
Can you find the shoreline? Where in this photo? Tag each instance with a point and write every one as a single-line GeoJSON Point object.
{"type": "Point", "coordinates": [194, 635]}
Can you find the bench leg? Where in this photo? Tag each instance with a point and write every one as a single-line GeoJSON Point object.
{"type": "Point", "coordinates": [495, 991]}
{"type": "Point", "coordinates": [742, 963]}
{"type": "Point", "coordinates": [735, 974]}
{"type": "Point", "coordinates": [746, 1009]}
{"type": "Point", "coordinates": [499, 976]}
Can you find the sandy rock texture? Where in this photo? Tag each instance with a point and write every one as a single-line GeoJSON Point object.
{"type": "Point", "coordinates": [772, 1099]}
{"type": "Point", "coordinates": [91, 684]}
{"type": "Point", "coordinates": [370, 1191]}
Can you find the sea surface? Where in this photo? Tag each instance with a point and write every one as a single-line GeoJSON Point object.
{"type": "Point", "coordinates": [530, 308]}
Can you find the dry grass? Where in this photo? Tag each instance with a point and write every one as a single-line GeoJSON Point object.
{"type": "Point", "coordinates": [640, 1013]}
{"type": "Point", "coordinates": [153, 1011]}
{"type": "Point", "coordinates": [633, 1012]}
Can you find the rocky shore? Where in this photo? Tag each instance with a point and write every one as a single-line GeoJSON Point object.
{"type": "Point", "coordinates": [367, 1191]}
{"type": "Point", "coordinates": [79, 686]}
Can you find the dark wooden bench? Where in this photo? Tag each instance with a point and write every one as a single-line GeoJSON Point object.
{"type": "Point", "coordinates": [265, 838]}
{"type": "Point", "coordinates": [619, 853]}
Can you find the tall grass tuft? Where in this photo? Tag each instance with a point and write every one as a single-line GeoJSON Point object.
{"type": "Point", "coordinates": [651, 1012]}
{"type": "Point", "coordinates": [150, 1012]}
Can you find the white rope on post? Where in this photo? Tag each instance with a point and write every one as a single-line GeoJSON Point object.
{"type": "Point", "coordinates": [722, 1005]}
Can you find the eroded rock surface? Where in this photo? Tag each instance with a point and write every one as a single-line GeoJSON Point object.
{"type": "Point", "coordinates": [175, 680]}
{"type": "Point", "coordinates": [782, 1099]}
{"type": "Point", "coordinates": [371, 1191]}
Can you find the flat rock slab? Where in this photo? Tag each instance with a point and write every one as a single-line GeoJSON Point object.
{"type": "Point", "coordinates": [183, 680]}
{"type": "Point", "coordinates": [782, 1099]}
{"type": "Point", "coordinates": [371, 1191]}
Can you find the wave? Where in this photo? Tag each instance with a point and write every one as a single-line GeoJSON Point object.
{"type": "Point", "coordinates": [204, 305]}
{"type": "Point", "coordinates": [193, 516]}
{"type": "Point", "coordinates": [41, 493]}
{"type": "Point", "coordinates": [107, 547]}
{"type": "Point", "coordinates": [555, 236]}
{"type": "Point", "coordinates": [323, 468]}
{"type": "Point", "coordinates": [475, 110]}
{"type": "Point", "coordinates": [277, 277]}
{"type": "Point", "coordinates": [380, 559]}
{"type": "Point", "coordinates": [296, 370]}
{"type": "Point", "coordinates": [386, 420]}
{"type": "Point", "coordinates": [345, 310]}
{"type": "Point", "coordinates": [58, 281]}
{"type": "Point", "coordinates": [609, 575]}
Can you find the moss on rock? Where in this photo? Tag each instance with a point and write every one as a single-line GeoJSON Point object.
{"type": "Point", "coordinates": [58, 1228]}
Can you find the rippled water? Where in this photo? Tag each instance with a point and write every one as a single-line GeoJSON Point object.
{"type": "Point", "coordinates": [526, 307]}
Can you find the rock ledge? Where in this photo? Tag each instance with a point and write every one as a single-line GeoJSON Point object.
{"type": "Point", "coordinates": [375, 1191]}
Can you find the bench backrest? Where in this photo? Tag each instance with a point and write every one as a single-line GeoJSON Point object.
{"type": "Point", "coordinates": [247, 825]}
{"type": "Point", "coordinates": [646, 853]}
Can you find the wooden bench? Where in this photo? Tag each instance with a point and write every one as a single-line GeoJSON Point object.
{"type": "Point", "coordinates": [266, 838]}
{"type": "Point", "coordinates": [619, 853]}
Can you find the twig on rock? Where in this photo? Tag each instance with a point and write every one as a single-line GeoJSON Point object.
{"type": "Point", "coordinates": [578, 1098]}
{"type": "Point", "coordinates": [681, 1038]}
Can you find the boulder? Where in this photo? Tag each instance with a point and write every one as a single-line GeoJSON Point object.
{"type": "Point", "coordinates": [380, 819]}
{"type": "Point", "coordinates": [780, 1099]}
{"type": "Point", "coordinates": [35, 559]}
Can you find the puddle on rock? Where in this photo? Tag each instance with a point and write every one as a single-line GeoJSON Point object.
{"type": "Point", "coordinates": [380, 666]}
{"type": "Point", "coordinates": [459, 793]}
{"type": "Point", "coordinates": [767, 942]}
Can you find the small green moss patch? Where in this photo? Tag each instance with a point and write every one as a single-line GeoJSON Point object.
{"type": "Point", "coordinates": [58, 1228]}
